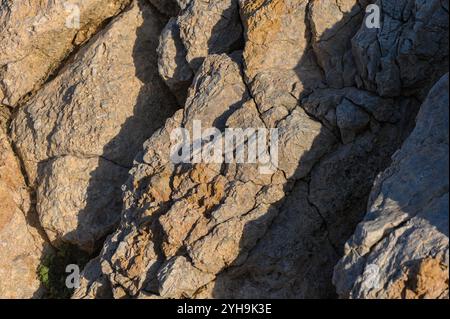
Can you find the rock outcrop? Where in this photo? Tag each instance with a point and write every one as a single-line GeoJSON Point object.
{"type": "Point", "coordinates": [401, 248]}
{"type": "Point", "coordinates": [408, 52]}
{"type": "Point", "coordinates": [21, 244]}
{"type": "Point", "coordinates": [227, 148]}
{"type": "Point", "coordinates": [202, 28]}
{"type": "Point", "coordinates": [36, 36]}
{"type": "Point", "coordinates": [79, 134]}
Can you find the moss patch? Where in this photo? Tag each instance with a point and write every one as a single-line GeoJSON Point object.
{"type": "Point", "coordinates": [52, 271]}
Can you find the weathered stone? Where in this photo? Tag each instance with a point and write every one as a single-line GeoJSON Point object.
{"type": "Point", "coordinates": [173, 280]}
{"type": "Point", "coordinates": [209, 27]}
{"type": "Point", "coordinates": [280, 264]}
{"type": "Point", "coordinates": [78, 199]}
{"type": "Point", "coordinates": [350, 120]}
{"type": "Point", "coordinates": [168, 7]}
{"type": "Point", "coordinates": [227, 230]}
{"type": "Point", "coordinates": [279, 61]}
{"type": "Point", "coordinates": [302, 141]}
{"type": "Point", "coordinates": [205, 212]}
{"type": "Point", "coordinates": [172, 64]}
{"type": "Point", "coordinates": [333, 24]}
{"type": "Point", "coordinates": [5, 115]}
{"type": "Point", "coordinates": [404, 235]}
{"type": "Point", "coordinates": [36, 36]}
{"type": "Point", "coordinates": [408, 53]}
{"type": "Point", "coordinates": [91, 121]}
{"type": "Point", "coordinates": [95, 284]}
{"type": "Point", "coordinates": [21, 244]}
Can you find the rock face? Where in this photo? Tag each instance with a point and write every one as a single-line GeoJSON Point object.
{"type": "Point", "coordinates": [78, 144]}
{"type": "Point", "coordinates": [202, 28]}
{"type": "Point", "coordinates": [229, 148]}
{"type": "Point", "coordinates": [404, 235]}
{"type": "Point", "coordinates": [21, 245]}
{"type": "Point", "coordinates": [408, 53]}
{"type": "Point", "coordinates": [36, 36]}
{"type": "Point", "coordinates": [226, 230]}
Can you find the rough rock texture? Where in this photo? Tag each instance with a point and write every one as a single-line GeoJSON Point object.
{"type": "Point", "coordinates": [227, 230]}
{"type": "Point", "coordinates": [410, 50]}
{"type": "Point", "coordinates": [209, 27]}
{"type": "Point", "coordinates": [21, 245]}
{"type": "Point", "coordinates": [36, 36]}
{"type": "Point", "coordinates": [172, 64]}
{"type": "Point", "coordinates": [332, 23]}
{"type": "Point", "coordinates": [99, 141]}
{"type": "Point", "coordinates": [5, 115]}
{"type": "Point", "coordinates": [405, 231]}
{"type": "Point", "coordinates": [202, 28]}
{"type": "Point", "coordinates": [79, 134]}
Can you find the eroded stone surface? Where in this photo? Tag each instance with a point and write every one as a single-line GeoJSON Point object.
{"type": "Point", "coordinates": [230, 230]}
{"type": "Point", "coordinates": [79, 134]}
{"type": "Point", "coordinates": [210, 27]}
{"type": "Point", "coordinates": [404, 234]}
{"type": "Point", "coordinates": [342, 97]}
{"type": "Point", "coordinates": [36, 36]}
{"type": "Point", "coordinates": [409, 53]}
{"type": "Point", "coordinates": [172, 64]}
{"type": "Point", "coordinates": [21, 245]}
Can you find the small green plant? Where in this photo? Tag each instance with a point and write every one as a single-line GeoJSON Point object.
{"type": "Point", "coordinates": [52, 270]}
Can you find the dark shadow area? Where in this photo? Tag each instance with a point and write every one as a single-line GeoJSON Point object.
{"type": "Point", "coordinates": [295, 258]}
{"type": "Point", "coordinates": [220, 33]}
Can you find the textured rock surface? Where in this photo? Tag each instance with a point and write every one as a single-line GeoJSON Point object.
{"type": "Point", "coordinates": [98, 141]}
{"type": "Point", "coordinates": [410, 50]}
{"type": "Point", "coordinates": [209, 27]}
{"type": "Point", "coordinates": [79, 134]}
{"type": "Point", "coordinates": [21, 245]}
{"type": "Point", "coordinates": [36, 36]}
{"type": "Point", "coordinates": [229, 230]}
{"type": "Point", "coordinates": [172, 64]}
{"type": "Point", "coordinates": [332, 23]}
{"type": "Point", "coordinates": [404, 234]}
{"type": "Point", "coordinates": [168, 7]}
{"type": "Point", "coordinates": [202, 28]}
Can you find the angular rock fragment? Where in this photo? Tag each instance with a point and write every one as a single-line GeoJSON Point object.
{"type": "Point", "coordinates": [173, 280]}
{"type": "Point", "coordinates": [202, 28]}
{"type": "Point", "coordinates": [210, 27]}
{"type": "Point", "coordinates": [332, 26]}
{"type": "Point", "coordinates": [350, 120]}
{"type": "Point", "coordinates": [172, 64]}
{"type": "Point", "coordinates": [279, 61]}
